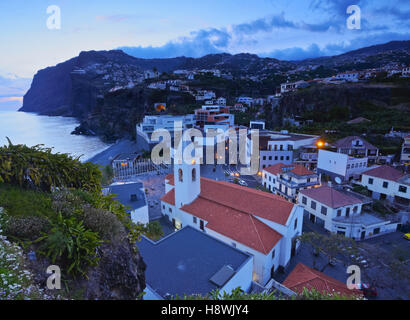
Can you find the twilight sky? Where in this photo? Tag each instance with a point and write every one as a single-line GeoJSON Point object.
{"type": "Point", "coordinates": [291, 29]}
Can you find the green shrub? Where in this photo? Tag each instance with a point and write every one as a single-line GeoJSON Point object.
{"type": "Point", "coordinates": [36, 167]}
{"type": "Point", "coordinates": [105, 223]}
{"type": "Point", "coordinates": [70, 243]}
{"type": "Point", "coordinates": [26, 228]}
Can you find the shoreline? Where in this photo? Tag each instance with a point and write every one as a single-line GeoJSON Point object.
{"type": "Point", "coordinates": [105, 157]}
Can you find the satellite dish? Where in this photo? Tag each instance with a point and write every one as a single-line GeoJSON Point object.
{"type": "Point", "coordinates": [338, 180]}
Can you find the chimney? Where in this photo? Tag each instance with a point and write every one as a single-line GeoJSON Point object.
{"type": "Point", "coordinates": [133, 197]}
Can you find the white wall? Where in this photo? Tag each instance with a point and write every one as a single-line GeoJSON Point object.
{"type": "Point", "coordinates": [242, 278]}
{"type": "Point", "coordinates": [332, 162]}
{"type": "Point", "coordinates": [392, 190]}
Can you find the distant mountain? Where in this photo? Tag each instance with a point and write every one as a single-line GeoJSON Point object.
{"type": "Point", "coordinates": [74, 87]}
{"type": "Point", "coordinates": [382, 51]}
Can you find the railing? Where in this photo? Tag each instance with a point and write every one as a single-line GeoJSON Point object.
{"type": "Point", "coordinates": [139, 167]}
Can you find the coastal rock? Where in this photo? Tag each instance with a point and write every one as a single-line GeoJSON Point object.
{"type": "Point", "coordinates": [120, 274]}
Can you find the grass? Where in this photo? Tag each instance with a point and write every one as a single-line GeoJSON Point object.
{"type": "Point", "coordinates": [20, 202]}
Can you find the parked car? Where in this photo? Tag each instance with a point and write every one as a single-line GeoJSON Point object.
{"type": "Point", "coordinates": [366, 289]}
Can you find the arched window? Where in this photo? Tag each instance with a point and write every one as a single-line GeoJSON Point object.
{"type": "Point", "coordinates": [180, 175]}
{"type": "Point", "coordinates": [194, 174]}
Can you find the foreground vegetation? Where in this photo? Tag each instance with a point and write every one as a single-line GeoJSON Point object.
{"type": "Point", "coordinates": [239, 294]}
{"type": "Point", "coordinates": [53, 205]}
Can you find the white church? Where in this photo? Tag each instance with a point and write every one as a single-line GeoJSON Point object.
{"type": "Point", "coordinates": [259, 223]}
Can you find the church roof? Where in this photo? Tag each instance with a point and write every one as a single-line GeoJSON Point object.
{"type": "Point", "coordinates": [233, 211]}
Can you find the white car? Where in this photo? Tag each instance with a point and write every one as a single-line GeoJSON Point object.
{"type": "Point", "coordinates": [243, 183]}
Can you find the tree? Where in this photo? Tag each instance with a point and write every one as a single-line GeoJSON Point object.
{"type": "Point", "coordinates": [330, 245]}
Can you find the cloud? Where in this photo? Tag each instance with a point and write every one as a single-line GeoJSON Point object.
{"type": "Point", "coordinates": [114, 18]}
{"type": "Point", "coordinates": [197, 44]}
{"type": "Point", "coordinates": [332, 49]}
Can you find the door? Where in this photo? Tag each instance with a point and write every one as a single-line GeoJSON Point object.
{"type": "Point", "coordinates": [293, 250]}
{"type": "Point", "coordinates": [363, 235]}
{"type": "Point", "coordinates": [312, 218]}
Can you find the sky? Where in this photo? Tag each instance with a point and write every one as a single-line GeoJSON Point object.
{"type": "Point", "coordinates": [289, 30]}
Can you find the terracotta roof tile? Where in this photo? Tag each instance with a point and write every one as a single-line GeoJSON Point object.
{"type": "Point", "coordinates": [347, 143]}
{"type": "Point", "coordinates": [297, 169]}
{"type": "Point", "coordinates": [170, 178]}
{"type": "Point", "coordinates": [230, 210]}
{"type": "Point", "coordinates": [169, 197]}
{"type": "Point", "coordinates": [236, 225]}
{"type": "Point", "coordinates": [330, 197]}
{"type": "Point", "coordinates": [304, 277]}
{"type": "Point", "coordinates": [262, 204]}
{"type": "Point", "coordinates": [385, 172]}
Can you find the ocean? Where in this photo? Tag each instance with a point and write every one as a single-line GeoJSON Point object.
{"type": "Point", "coordinates": [54, 132]}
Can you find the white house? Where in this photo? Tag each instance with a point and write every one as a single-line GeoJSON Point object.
{"type": "Point", "coordinates": [246, 100]}
{"type": "Point", "coordinates": [405, 150]}
{"type": "Point", "coordinates": [340, 212]}
{"type": "Point", "coordinates": [340, 166]}
{"type": "Point", "coordinates": [352, 76]}
{"type": "Point", "coordinates": [292, 86]}
{"type": "Point", "coordinates": [221, 101]}
{"type": "Point", "coordinates": [278, 147]}
{"type": "Point", "coordinates": [166, 122]}
{"type": "Point", "coordinates": [385, 182]}
{"type": "Point", "coordinates": [288, 180]}
{"type": "Point", "coordinates": [258, 223]}
{"type": "Point", "coordinates": [132, 195]}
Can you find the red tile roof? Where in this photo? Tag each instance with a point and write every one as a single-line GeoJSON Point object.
{"type": "Point", "coordinates": [304, 277]}
{"type": "Point", "coordinates": [347, 143]}
{"type": "Point", "coordinates": [230, 210]}
{"type": "Point", "coordinates": [385, 172]}
{"type": "Point", "coordinates": [170, 178]}
{"type": "Point", "coordinates": [236, 225]}
{"type": "Point", "coordinates": [262, 204]}
{"type": "Point", "coordinates": [298, 169]}
{"type": "Point", "coordinates": [330, 197]}
{"type": "Point", "coordinates": [169, 197]}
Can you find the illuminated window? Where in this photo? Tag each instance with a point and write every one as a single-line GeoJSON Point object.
{"type": "Point", "coordinates": [194, 174]}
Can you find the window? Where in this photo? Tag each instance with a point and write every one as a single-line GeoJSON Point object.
{"type": "Point", "coordinates": [264, 157]}
{"type": "Point", "coordinates": [270, 157]}
{"type": "Point", "coordinates": [296, 223]}
{"type": "Point", "coordinates": [339, 212]}
{"type": "Point", "coordinates": [194, 219]}
{"type": "Point", "coordinates": [370, 180]}
{"type": "Point", "coordinates": [170, 210]}
{"type": "Point", "coordinates": [180, 175]}
{"type": "Point", "coordinates": [355, 209]}
{"type": "Point", "coordinates": [270, 178]}
{"type": "Point", "coordinates": [304, 200]}
{"type": "Point", "coordinates": [323, 210]}
{"type": "Point", "coordinates": [273, 254]}
{"type": "Point", "coordinates": [385, 184]}
{"type": "Point", "coordinates": [276, 157]}
{"type": "Point", "coordinates": [347, 212]}
{"type": "Point", "coordinates": [234, 244]}
{"type": "Point", "coordinates": [163, 206]}
{"type": "Point", "coordinates": [402, 189]}
{"type": "Point", "coordinates": [313, 205]}
{"type": "Point", "coordinates": [193, 174]}
{"type": "Point", "coordinates": [281, 158]}
{"type": "Point", "coordinates": [287, 158]}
